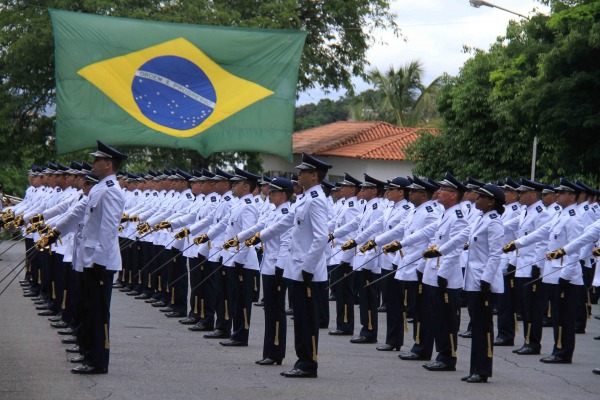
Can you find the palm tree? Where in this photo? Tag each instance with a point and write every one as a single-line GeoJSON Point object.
{"type": "Point", "coordinates": [399, 97]}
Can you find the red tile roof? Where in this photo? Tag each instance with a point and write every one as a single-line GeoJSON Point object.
{"type": "Point", "coordinates": [375, 140]}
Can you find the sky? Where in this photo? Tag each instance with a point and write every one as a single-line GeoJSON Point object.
{"type": "Point", "coordinates": [434, 32]}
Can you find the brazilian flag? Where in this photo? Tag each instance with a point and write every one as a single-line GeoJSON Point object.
{"type": "Point", "coordinates": [208, 88]}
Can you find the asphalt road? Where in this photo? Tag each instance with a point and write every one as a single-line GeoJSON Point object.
{"type": "Point", "coordinates": [153, 357]}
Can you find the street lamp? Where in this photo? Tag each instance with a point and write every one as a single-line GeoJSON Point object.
{"type": "Point", "coordinates": [479, 3]}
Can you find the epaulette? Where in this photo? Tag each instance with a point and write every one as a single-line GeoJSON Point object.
{"type": "Point", "coordinates": [493, 216]}
{"type": "Point", "coordinates": [350, 204]}
{"type": "Point", "coordinates": [557, 208]}
{"type": "Point", "coordinates": [248, 201]}
{"type": "Point", "coordinates": [314, 194]}
{"type": "Point", "coordinates": [539, 209]}
{"type": "Point", "coordinates": [586, 207]}
{"type": "Point", "coordinates": [429, 209]}
{"type": "Point", "coordinates": [155, 194]}
{"type": "Point", "coordinates": [459, 214]}
{"type": "Point", "coordinates": [514, 207]}
{"type": "Point", "coordinates": [284, 211]}
{"type": "Point", "coordinates": [374, 206]}
{"type": "Point", "coordinates": [256, 200]}
{"type": "Point", "coordinates": [110, 183]}
{"type": "Point", "coordinates": [406, 207]}
{"type": "Point", "coordinates": [227, 198]}
{"type": "Point", "coordinates": [572, 212]}
{"type": "Point", "coordinates": [188, 195]}
{"type": "Point", "coordinates": [213, 199]}
{"type": "Point", "coordinates": [58, 190]}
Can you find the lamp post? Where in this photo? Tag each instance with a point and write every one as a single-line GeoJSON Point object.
{"type": "Point", "coordinates": [479, 3]}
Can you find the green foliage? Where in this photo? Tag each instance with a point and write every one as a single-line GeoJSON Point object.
{"type": "Point", "coordinates": [540, 80]}
{"type": "Point", "coordinates": [339, 34]}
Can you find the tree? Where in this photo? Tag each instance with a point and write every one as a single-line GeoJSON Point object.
{"type": "Point", "coordinates": [542, 80]}
{"type": "Point", "coordinates": [338, 36]}
{"type": "Point", "coordinates": [400, 97]}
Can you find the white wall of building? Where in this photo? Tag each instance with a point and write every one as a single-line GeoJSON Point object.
{"type": "Point", "coordinates": [379, 169]}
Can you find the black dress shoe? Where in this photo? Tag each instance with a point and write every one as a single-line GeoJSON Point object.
{"type": "Point", "coordinates": [188, 321]}
{"type": "Point", "coordinates": [552, 359]}
{"type": "Point", "coordinates": [519, 349]}
{"type": "Point", "coordinates": [142, 296]}
{"type": "Point", "coordinates": [362, 339]}
{"type": "Point", "coordinates": [159, 304]}
{"type": "Point", "coordinates": [387, 347]}
{"type": "Point", "coordinates": [233, 343]}
{"type": "Point", "coordinates": [503, 342]}
{"type": "Point", "coordinates": [43, 306]}
{"type": "Point", "coordinates": [597, 317]}
{"type": "Point", "coordinates": [167, 309]}
{"type": "Point", "coordinates": [69, 340]}
{"type": "Point", "coordinates": [217, 334]}
{"type": "Point", "coordinates": [47, 313]}
{"type": "Point", "coordinates": [56, 318]}
{"type": "Point", "coordinates": [30, 294]}
{"type": "Point", "coordinates": [527, 351]}
{"type": "Point", "coordinates": [268, 361]}
{"type": "Point", "coordinates": [77, 359]}
{"type": "Point", "coordinates": [338, 332]}
{"type": "Point", "coordinates": [74, 349]}
{"type": "Point", "coordinates": [67, 331]}
{"type": "Point", "coordinates": [151, 300]}
{"type": "Point", "coordinates": [597, 338]}
{"type": "Point", "coordinates": [200, 327]}
{"type": "Point", "coordinates": [466, 334]}
{"type": "Point", "coordinates": [89, 370]}
{"type": "Point", "coordinates": [260, 304]}
{"type": "Point", "coordinates": [40, 302]}
{"type": "Point", "coordinates": [118, 285]}
{"type": "Point", "coordinates": [410, 356]}
{"type": "Point", "coordinates": [298, 373]}
{"type": "Point", "coordinates": [438, 366]}
{"type": "Point", "coordinates": [464, 378]}
{"type": "Point", "coordinates": [59, 324]}
{"type": "Point", "coordinates": [125, 289]}
{"type": "Point", "coordinates": [382, 309]}
{"type": "Point", "coordinates": [132, 293]}
{"type": "Point", "coordinates": [476, 378]}
{"type": "Point", "coordinates": [174, 314]}
{"type": "Point", "coordinates": [596, 371]}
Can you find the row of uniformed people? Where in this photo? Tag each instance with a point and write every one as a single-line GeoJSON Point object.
{"type": "Point", "coordinates": [73, 221]}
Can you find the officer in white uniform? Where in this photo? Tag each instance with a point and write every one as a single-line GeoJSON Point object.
{"type": "Point", "coordinates": [97, 252]}
{"type": "Point", "coordinates": [306, 267]}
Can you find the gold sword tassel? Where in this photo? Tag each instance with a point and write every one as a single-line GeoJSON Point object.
{"type": "Point", "coordinates": [549, 309]}
{"type": "Point", "coordinates": [559, 341]}
{"type": "Point", "coordinates": [130, 277]}
{"type": "Point", "coordinates": [201, 307]}
{"type": "Point", "coordinates": [314, 346]}
{"type": "Point", "coordinates": [173, 296]}
{"type": "Point", "coordinates": [39, 276]}
{"type": "Point", "coordinates": [255, 285]}
{"type": "Point", "coordinates": [369, 325]}
{"type": "Point", "coordinates": [528, 333]}
{"type": "Point", "coordinates": [64, 302]}
{"type": "Point", "coordinates": [226, 311]}
{"type": "Point", "coordinates": [195, 304]}
{"type": "Point", "coordinates": [53, 291]}
{"type": "Point", "coordinates": [149, 280]}
{"type": "Point", "coordinates": [106, 342]}
{"type": "Point", "coordinates": [345, 313]}
{"type": "Point", "coordinates": [588, 305]}
{"type": "Point", "coordinates": [276, 342]}
{"type": "Point", "coordinates": [417, 338]}
{"type": "Point", "coordinates": [516, 322]}
{"type": "Point", "coordinates": [490, 354]}
{"type": "Point", "coordinates": [246, 325]}
{"type": "Point", "coordinates": [159, 284]}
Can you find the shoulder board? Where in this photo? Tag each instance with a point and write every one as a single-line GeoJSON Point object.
{"type": "Point", "coordinates": [256, 200]}
{"type": "Point", "coordinates": [248, 201]}
{"type": "Point", "coordinates": [314, 194]}
{"type": "Point", "coordinates": [227, 198]}
{"type": "Point", "coordinates": [572, 212]}
{"type": "Point", "coordinates": [188, 195]}
{"type": "Point", "coordinates": [493, 216]}
{"type": "Point", "coordinates": [586, 207]}
{"type": "Point", "coordinates": [468, 205]}
{"type": "Point", "coordinates": [406, 207]}
{"type": "Point", "coordinates": [374, 206]}
{"type": "Point", "coordinates": [110, 183]}
{"type": "Point", "coordinates": [213, 199]}
{"type": "Point", "coordinates": [155, 193]}
{"type": "Point", "coordinates": [60, 190]}
{"type": "Point", "coordinates": [350, 204]}
{"type": "Point", "coordinates": [539, 209]}
{"type": "Point", "coordinates": [459, 214]}
{"type": "Point", "coordinates": [284, 211]}
{"type": "Point", "coordinates": [429, 209]}
{"type": "Point", "coordinates": [514, 207]}
{"type": "Point", "coordinates": [557, 208]}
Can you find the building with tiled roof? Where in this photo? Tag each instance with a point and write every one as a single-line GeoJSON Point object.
{"type": "Point", "coordinates": [356, 147]}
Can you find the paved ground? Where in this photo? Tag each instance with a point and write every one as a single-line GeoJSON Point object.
{"type": "Point", "coordinates": [153, 357]}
